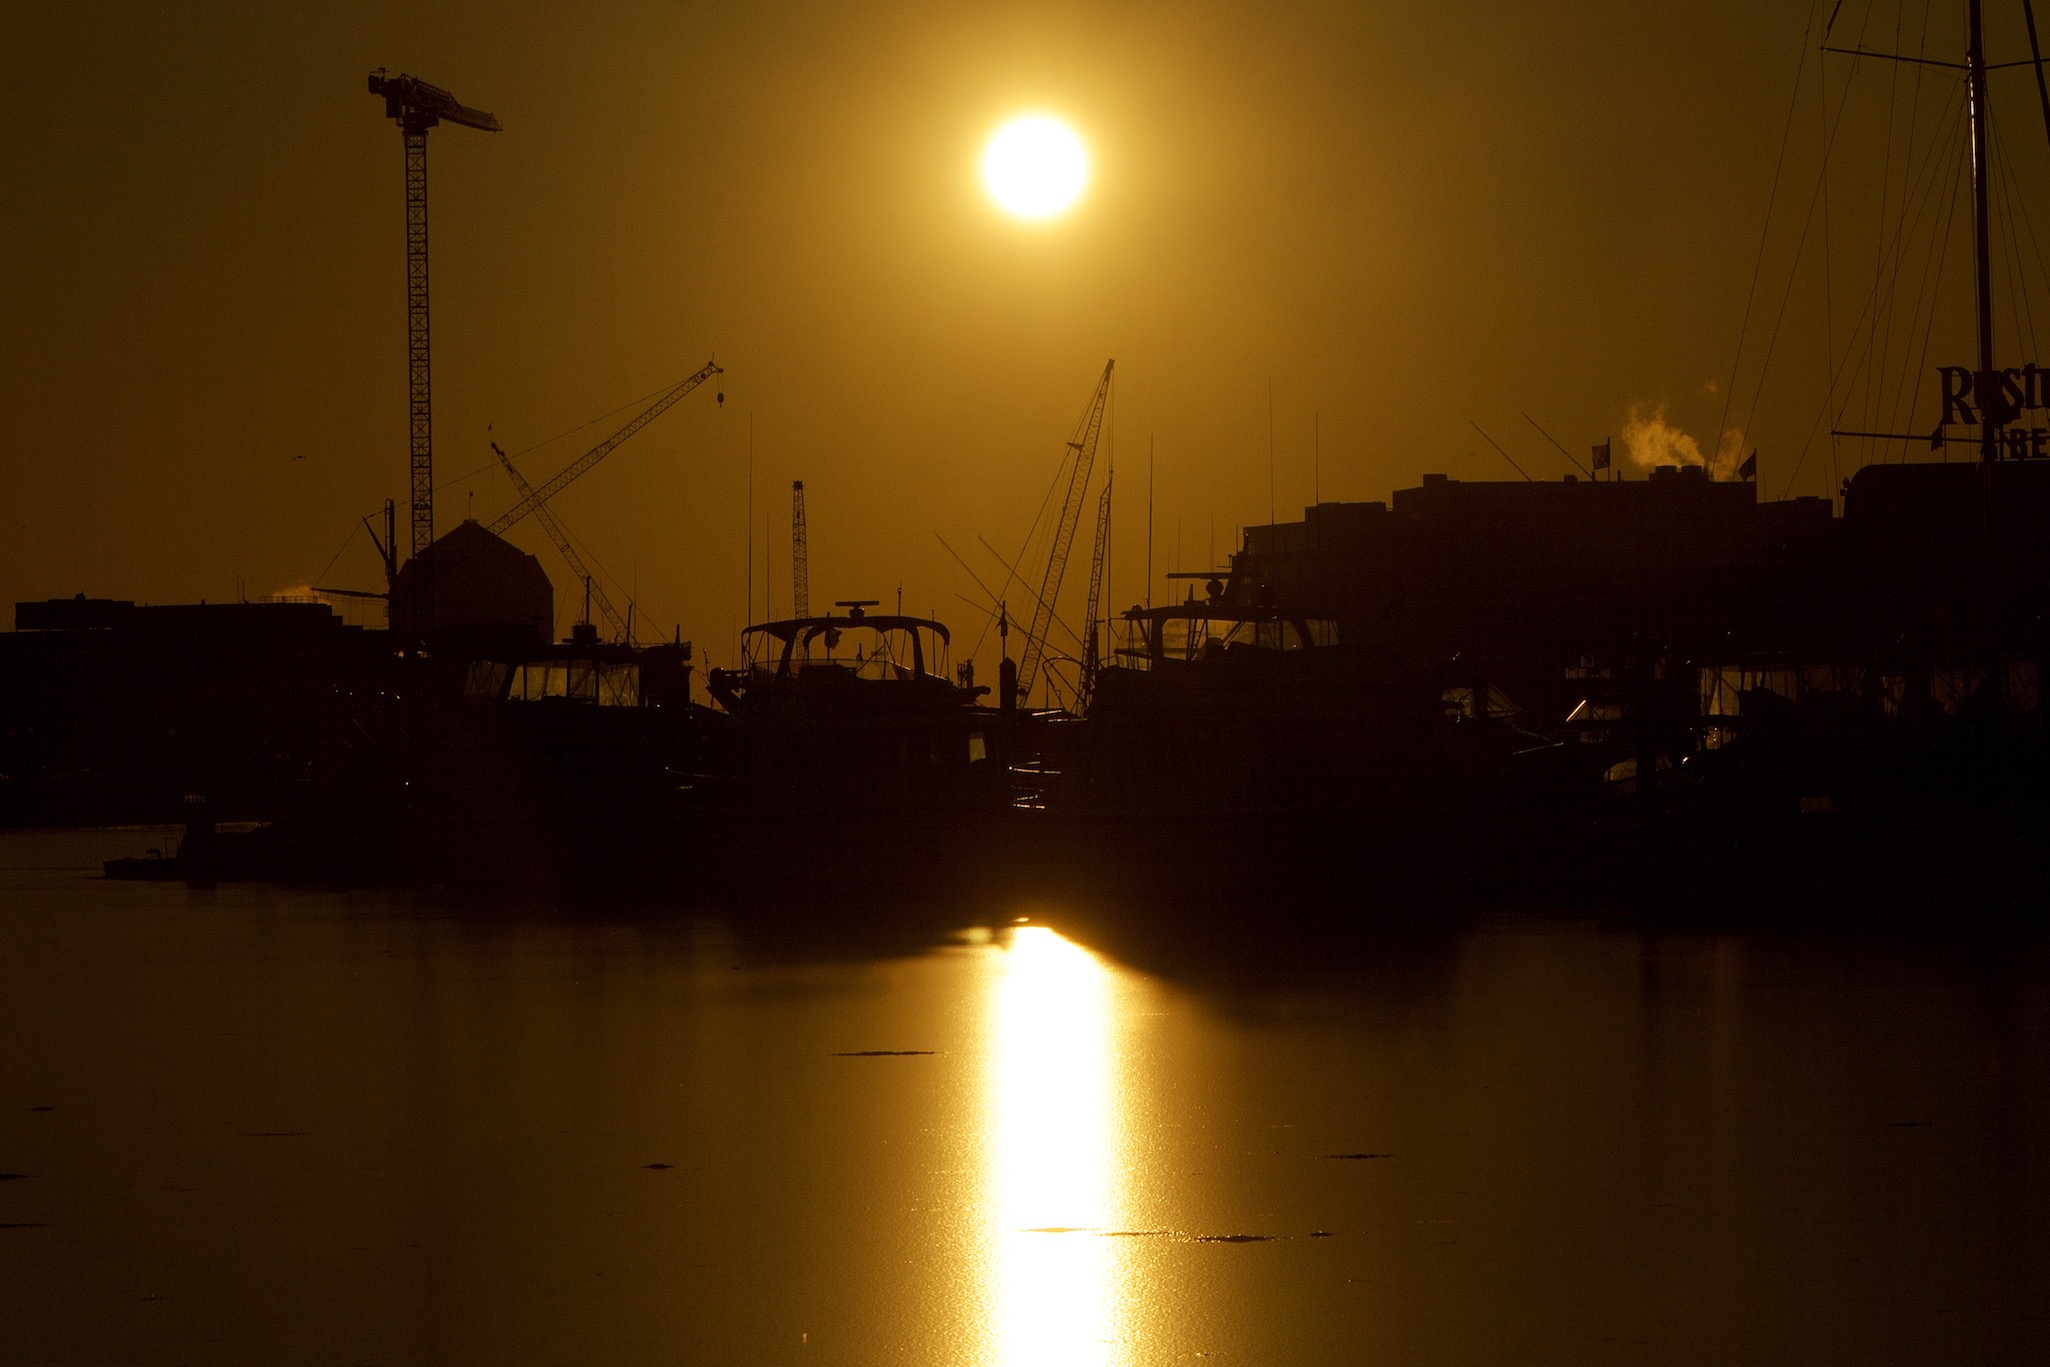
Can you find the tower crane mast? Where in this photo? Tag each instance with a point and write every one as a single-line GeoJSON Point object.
{"type": "Point", "coordinates": [1084, 449]}
{"type": "Point", "coordinates": [800, 554]}
{"type": "Point", "coordinates": [417, 106]}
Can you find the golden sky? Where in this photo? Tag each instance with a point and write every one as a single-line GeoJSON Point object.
{"type": "Point", "coordinates": [1400, 217]}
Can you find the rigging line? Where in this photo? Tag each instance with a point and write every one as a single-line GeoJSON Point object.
{"type": "Point", "coordinates": [2036, 51]}
{"type": "Point", "coordinates": [1947, 151]}
{"type": "Point", "coordinates": [2021, 201]}
{"type": "Point", "coordinates": [1498, 447]}
{"type": "Point", "coordinates": [1828, 275]}
{"type": "Point", "coordinates": [591, 559]}
{"type": "Point", "coordinates": [584, 549]}
{"type": "Point", "coordinates": [1883, 305]}
{"type": "Point", "coordinates": [1908, 180]}
{"type": "Point", "coordinates": [1864, 387]}
{"type": "Point", "coordinates": [1793, 274]}
{"type": "Point", "coordinates": [1562, 450]}
{"type": "Point", "coordinates": [1956, 162]}
{"type": "Point", "coordinates": [1932, 271]}
{"type": "Point", "coordinates": [1073, 634]}
{"type": "Point", "coordinates": [1044, 503]}
{"type": "Point", "coordinates": [1829, 361]}
{"type": "Point", "coordinates": [346, 542]}
{"type": "Point", "coordinates": [1893, 83]}
{"type": "Point", "coordinates": [1765, 233]}
{"type": "Point", "coordinates": [1879, 305]}
{"type": "Point", "coordinates": [1897, 57]}
{"type": "Point", "coordinates": [1922, 314]}
{"type": "Point", "coordinates": [976, 649]}
{"type": "Point", "coordinates": [1030, 532]}
{"type": "Point", "coordinates": [989, 612]}
{"type": "Point", "coordinates": [592, 422]}
{"type": "Point", "coordinates": [550, 441]}
{"type": "Point", "coordinates": [2018, 295]}
{"type": "Point", "coordinates": [1830, 366]}
{"type": "Point", "coordinates": [2017, 217]}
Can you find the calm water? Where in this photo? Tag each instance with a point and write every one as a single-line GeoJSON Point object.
{"type": "Point", "coordinates": [263, 1126]}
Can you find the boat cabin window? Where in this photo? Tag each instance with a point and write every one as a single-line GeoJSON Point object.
{"type": "Point", "coordinates": [604, 683]}
{"type": "Point", "coordinates": [876, 651]}
{"type": "Point", "coordinates": [1189, 638]}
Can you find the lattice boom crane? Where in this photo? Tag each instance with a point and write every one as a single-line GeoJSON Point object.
{"type": "Point", "coordinates": [1084, 448]}
{"type": "Point", "coordinates": [1099, 562]}
{"type": "Point", "coordinates": [666, 400]}
{"type": "Point", "coordinates": [800, 554]}
{"type": "Point", "coordinates": [614, 623]}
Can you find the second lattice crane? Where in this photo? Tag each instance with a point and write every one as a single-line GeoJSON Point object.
{"type": "Point", "coordinates": [800, 554]}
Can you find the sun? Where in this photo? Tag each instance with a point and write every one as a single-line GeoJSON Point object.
{"type": "Point", "coordinates": [1035, 166]}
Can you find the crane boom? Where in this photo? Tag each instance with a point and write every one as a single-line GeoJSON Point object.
{"type": "Point", "coordinates": [800, 554]}
{"type": "Point", "coordinates": [1099, 560]}
{"type": "Point", "coordinates": [1064, 533]}
{"type": "Point", "coordinates": [534, 498]}
{"type": "Point", "coordinates": [613, 621]}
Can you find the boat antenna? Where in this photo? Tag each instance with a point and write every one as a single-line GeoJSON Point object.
{"type": "Point", "coordinates": [750, 518]}
{"type": "Point", "coordinates": [1149, 520]}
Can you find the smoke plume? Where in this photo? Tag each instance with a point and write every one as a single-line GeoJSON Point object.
{"type": "Point", "coordinates": [1651, 440]}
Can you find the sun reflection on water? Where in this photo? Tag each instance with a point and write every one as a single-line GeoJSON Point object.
{"type": "Point", "coordinates": [1053, 1183]}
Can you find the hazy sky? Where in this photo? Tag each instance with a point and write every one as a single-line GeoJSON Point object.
{"type": "Point", "coordinates": [1401, 217]}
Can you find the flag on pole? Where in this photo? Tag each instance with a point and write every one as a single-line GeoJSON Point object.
{"type": "Point", "coordinates": [1749, 469]}
{"type": "Point", "coordinates": [1601, 456]}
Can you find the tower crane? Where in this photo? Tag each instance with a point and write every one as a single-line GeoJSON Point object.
{"type": "Point", "coordinates": [800, 554]}
{"type": "Point", "coordinates": [666, 400]}
{"type": "Point", "coordinates": [614, 623]}
{"type": "Point", "coordinates": [417, 106]}
{"type": "Point", "coordinates": [1084, 449]}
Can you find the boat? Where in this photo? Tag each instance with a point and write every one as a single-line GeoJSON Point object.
{"type": "Point", "coordinates": [854, 714]}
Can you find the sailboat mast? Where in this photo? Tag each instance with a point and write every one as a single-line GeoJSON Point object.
{"type": "Point", "coordinates": [1990, 379]}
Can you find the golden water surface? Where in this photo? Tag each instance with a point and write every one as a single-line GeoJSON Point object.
{"type": "Point", "coordinates": [256, 1126]}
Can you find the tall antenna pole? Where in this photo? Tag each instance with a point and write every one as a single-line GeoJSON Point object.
{"type": "Point", "coordinates": [1149, 521]}
{"type": "Point", "coordinates": [750, 521]}
{"type": "Point", "coordinates": [1270, 452]}
{"type": "Point", "coordinates": [1991, 395]}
